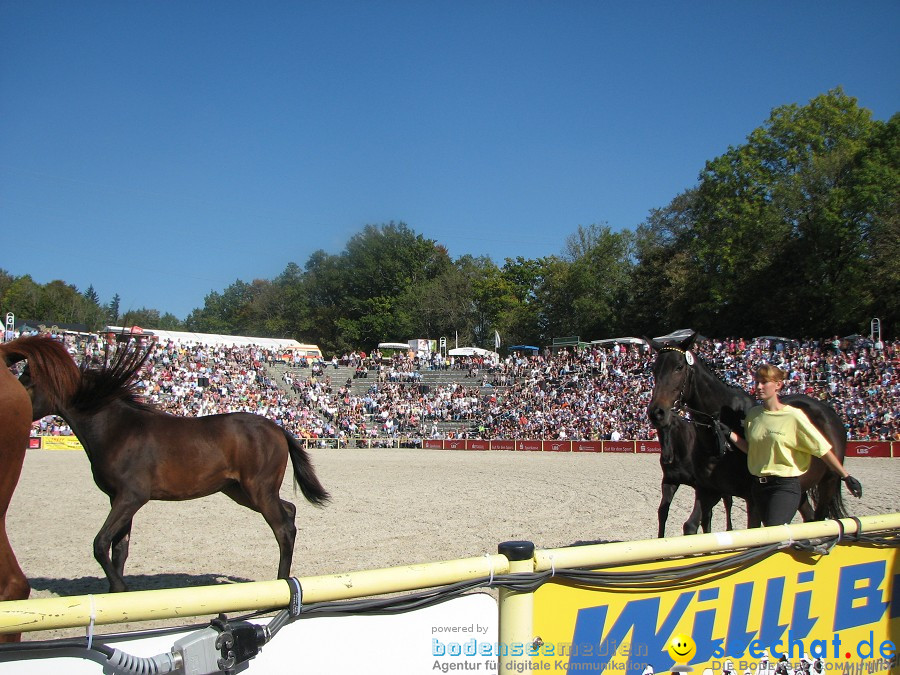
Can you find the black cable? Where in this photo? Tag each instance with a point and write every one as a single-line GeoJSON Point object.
{"type": "Point", "coordinates": [64, 643]}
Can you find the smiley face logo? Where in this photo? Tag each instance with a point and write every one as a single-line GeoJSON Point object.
{"type": "Point", "coordinates": [682, 648]}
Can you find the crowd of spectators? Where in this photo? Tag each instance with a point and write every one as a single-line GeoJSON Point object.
{"type": "Point", "coordinates": [574, 394]}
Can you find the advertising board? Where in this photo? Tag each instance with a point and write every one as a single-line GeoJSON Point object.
{"type": "Point", "coordinates": [618, 446]}
{"type": "Point", "coordinates": [868, 449]}
{"type": "Point", "coordinates": [840, 608]}
{"type": "Point", "coordinates": [529, 446]}
{"type": "Point", "coordinates": [557, 446]}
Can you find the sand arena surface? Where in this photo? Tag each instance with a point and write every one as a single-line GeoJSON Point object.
{"type": "Point", "coordinates": [389, 507]}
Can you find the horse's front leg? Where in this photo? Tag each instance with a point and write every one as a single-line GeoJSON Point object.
{"type": "Point", "coordinates": [115, 529]}
{"type": "Point", "coordinates": [668, 494]}
{"type": "Point", "coordinates": [728, 502]}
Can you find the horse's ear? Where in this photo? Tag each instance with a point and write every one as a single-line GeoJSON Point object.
{"type": "Point", "coordinates": [688, 342]}
{"type": "Point", "coordinates": [653, 344]}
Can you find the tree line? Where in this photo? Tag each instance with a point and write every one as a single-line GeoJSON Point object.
{"type": "Point", "coordinates": [794, 232]}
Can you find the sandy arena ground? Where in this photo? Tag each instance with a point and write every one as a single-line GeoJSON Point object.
{"type": "Point", "coordinates": [389, 507]}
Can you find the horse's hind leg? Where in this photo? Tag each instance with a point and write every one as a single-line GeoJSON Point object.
{"type": "Point", "coordinates": [728, 503]}
{"type": "Point", "coordinates": [120, 549]}
{"type": "Point", "coordinates": [114, 530]}
{"type": "Point", "coordinates": [692, 524]}
{"type": "Point", "coordinates": [805, 508]}
{"type": "Point", "coordinates": [281, 519]}
{"type": "Point", "coordinates": [706, 501]}
{"type": "Point", "coordinates": [279, 514]}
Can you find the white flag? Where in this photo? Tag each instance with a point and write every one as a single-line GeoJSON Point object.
{"type": "Point", "coordinates": [496, 340]}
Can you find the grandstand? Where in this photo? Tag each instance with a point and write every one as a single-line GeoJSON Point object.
{"type": "Point", "coordinates": [581, 393]}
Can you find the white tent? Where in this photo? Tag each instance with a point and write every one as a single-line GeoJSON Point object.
{"type": "Point", "coordinates": [394, 345]}
{"type": "Point", "coordinates": [213, 339]}
{"type": "Point", "coordinates": [622, 341]}
{"type": "Point", "coordinates": [474, 351]}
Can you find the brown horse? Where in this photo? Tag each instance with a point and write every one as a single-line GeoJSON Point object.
{"type": "Point", "coordinates": [50, 363]}
{"type": "Point", "coordinates": [139, 453]}
{"type": "Point", "coordinates": [684, 381]}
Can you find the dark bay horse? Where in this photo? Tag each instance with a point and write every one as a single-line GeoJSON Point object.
{"type": "Point", "coordinates": [690, 457]}
{"type": "Point", "coordinates": [682, 380]}
{"type": "Point", "coordinates": [139, 453]}
{"type": "Point", "coordinates": [50, 363]}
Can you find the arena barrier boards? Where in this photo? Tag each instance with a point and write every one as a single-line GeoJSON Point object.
{"type": "Point", "coordinates": [819, 590]}
{"type": "Point", "coordinates": [854, 448]}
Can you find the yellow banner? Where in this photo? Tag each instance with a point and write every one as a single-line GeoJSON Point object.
{"type": "Point", "coordinates": [838, 608]}
{"type": "Point", "coordinates": [60, 443]}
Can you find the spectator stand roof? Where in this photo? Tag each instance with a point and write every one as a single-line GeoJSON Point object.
{"type": "Point", "coordinates": [394, 345]}
{"type": "Point", "coordinates": [608, 342]}
{"type": "Point", "coordinates": [211, 339]}
{"type": "Point", "coordinates": [474, 351]}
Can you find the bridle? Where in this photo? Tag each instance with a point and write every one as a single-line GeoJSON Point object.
{"type": "Point", "coordinates": [679, 406]}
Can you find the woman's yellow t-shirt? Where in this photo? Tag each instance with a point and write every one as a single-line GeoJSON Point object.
{"type": "Point", "coordinates": [782, 442]}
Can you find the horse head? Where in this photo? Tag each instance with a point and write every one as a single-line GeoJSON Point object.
{"type": "Point", "coordinates": [43, 403]}
{"type": "Point", "coordinates": [672, 370]}
{"type": "Point", "coordinates": [666, 446]}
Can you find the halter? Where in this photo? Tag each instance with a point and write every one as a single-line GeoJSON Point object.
{"type": "Point", "coordinates": [679, 404]}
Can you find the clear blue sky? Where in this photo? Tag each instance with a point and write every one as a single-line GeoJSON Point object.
{"type": "Point", "coordinates": [162, 150]}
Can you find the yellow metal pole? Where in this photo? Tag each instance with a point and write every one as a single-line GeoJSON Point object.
{"type": "Point", "coordinates": [620, 553]}
{"type": "Point", "coordinates": [172, 603]}
{"type": "Point", "coordinates": [516, 611]}
{"type": "Point", "coordinates": [76, 611]}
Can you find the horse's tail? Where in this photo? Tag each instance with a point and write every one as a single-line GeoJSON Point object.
{"type": "Point", "coordinates": [50, 364]}
{"type": "Point", "coordinates": [826, 495]}
{"type": "Point", "coordinates": [304, 475]}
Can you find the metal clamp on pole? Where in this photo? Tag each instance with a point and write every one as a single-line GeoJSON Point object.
{"type": "Point", "coordinates": [295, 606]}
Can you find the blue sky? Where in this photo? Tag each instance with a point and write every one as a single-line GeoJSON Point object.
{"type": "Point", "coordinates": [162, 150]}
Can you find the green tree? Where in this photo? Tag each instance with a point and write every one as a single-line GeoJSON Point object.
{"type": "Point", "coordinates": [877, 194]}
{"type": "Point", "coordinates": [23, 297]}
{"type": "Point", "coordinates": [660, 293]}
{"type": "Point", "coordinates": [521, 318]}
{"type": "Point", "coordinates": [597, 281]}
{"type": "Point", "coordinates": [112, 310]}
{"type": "Point", "coordinates": [143, 317]}
{"type": "Point", "coordinates": [779, 241]}
{"type": "Point", "coordinates": [380, 271]}
{"type": "Point", "coordinates": [60, 302]}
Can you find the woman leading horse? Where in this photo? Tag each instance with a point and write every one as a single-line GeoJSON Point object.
{"type": "Point", "coordinates": [684, 382]}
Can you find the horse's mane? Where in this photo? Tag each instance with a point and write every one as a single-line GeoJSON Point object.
{"type": "Point", "coordinates": [712, 371]}
{"type": "Point", "coordinates": [112, 380]}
